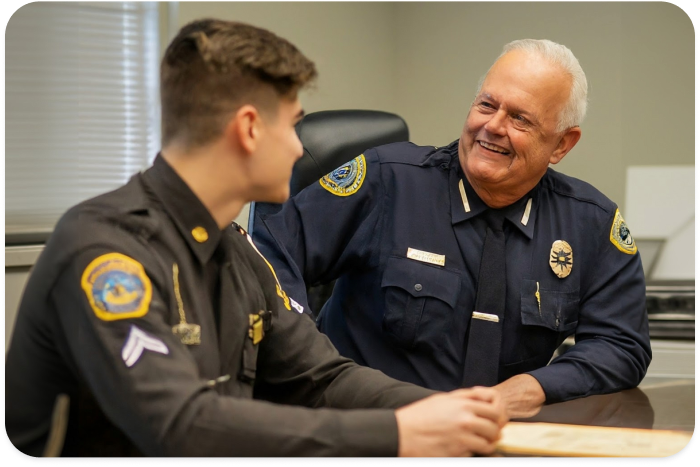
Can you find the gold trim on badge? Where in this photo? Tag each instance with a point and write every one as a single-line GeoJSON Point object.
{"type": "Point", "coordinates": [117, 287]}
{"type": "Point", "coordinates": [561, 258]}
{"type": "Point", "coordinates": [426, 257]}
{"type": "Point", "coordinates": [200, 234]}
{"type": "Point", "coordinates": [620, 235]}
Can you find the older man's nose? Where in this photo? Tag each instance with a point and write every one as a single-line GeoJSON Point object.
{"type": "Point", "coordinates": [497, 123]}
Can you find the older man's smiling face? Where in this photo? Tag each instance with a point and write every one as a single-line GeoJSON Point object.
{"type": "Point", "coordinates": [510, 137]}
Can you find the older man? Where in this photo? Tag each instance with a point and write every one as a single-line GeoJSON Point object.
{"type": "Point", "coordinates": [471, 263]}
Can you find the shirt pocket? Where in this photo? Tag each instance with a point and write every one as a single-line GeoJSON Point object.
{"type": "Point", "coordinates": [418, 300]}
{"type": "Point", "coordinates": [556, 310]}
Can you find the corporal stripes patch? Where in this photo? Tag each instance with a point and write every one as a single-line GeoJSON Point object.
{"type": "Point", "coordinates": [139, 341]}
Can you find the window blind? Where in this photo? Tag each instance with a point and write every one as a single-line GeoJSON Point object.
{"type": "Point", "coordinates": [81, 105]}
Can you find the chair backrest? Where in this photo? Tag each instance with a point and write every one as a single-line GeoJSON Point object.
{"type": "Point", "coordinates": [331, 138]}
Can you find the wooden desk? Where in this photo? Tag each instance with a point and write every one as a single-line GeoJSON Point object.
{"type": "Point", "coordinates": [655, 406]}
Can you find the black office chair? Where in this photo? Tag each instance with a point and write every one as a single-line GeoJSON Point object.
{"type": "Point", "coordinates": [331, 138]}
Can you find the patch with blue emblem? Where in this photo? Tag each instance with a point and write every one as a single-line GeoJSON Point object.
{"type": "Point", "coordinates": [117, 287]}
{"type": "Point", "coordinates": [346, 179]}
{"type": "Point", "coordinates": [620, 235]}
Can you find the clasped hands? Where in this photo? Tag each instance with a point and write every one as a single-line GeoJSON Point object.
{"type": "Point", "coordinates": [465, 422]}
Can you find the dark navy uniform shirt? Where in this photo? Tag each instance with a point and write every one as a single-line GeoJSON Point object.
{"type": "Point", "coordinates": [410, 317]}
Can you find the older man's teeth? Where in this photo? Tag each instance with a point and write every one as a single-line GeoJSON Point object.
{"type": "Point", "coordinates": [493, 147]}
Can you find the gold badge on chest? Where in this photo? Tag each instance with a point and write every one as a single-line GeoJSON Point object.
{"type": "Point", "coordinates": [189, 333]}
{"type": "Point", "coordinates": [561, 258]}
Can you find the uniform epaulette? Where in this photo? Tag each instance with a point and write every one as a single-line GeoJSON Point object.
{"type": "Point", "coordinates": [571, 187]}
{"type": "Point", "coordinates": [404, 153]}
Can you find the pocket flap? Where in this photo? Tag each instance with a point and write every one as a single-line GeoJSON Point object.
{"type": "Point", "coordinates": [422, 280]}
{"type": "Point", "coordinates": [557, 310]}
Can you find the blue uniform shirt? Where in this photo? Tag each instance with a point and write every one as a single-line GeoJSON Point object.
{"type": "Point", "coordinates": [410, 317]}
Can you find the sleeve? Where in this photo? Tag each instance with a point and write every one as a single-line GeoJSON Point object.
{"type": "Point", "coordinates": [612, 349]}
{"type": "Point", "coordinates": [328, 228]}
{"type": "Point", "coordinates": [147, 383]}
{"type": "Point", "coordinates": [298, 365]}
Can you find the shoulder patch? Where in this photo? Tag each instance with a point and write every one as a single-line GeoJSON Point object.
{"type": "Point", "coordinates": [346, 179]}
{"type": "Point", "coordinates": [117, 287]}
{"type": "Point", "coordinates": [620, 235]}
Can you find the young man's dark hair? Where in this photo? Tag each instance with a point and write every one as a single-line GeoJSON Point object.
{"type": "Point", "coordinates": [212, 67]}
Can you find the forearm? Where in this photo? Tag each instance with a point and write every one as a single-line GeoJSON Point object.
{"type": "Point", "coordinates": [362, 387]}
{"type": "Point", "coordinates": [224, 426]}
{"type": "Point", "coordinates": [593, 366]}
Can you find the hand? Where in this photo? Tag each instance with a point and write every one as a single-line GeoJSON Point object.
{"type": "Point", "coordinates": [522, 395]}
{"type": "Point", "coordinates": [458, 423]}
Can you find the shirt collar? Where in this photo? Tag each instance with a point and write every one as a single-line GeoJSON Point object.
{"type": "Point", "coordinates": [465, 203]}
{"type": "Point", "coordinates": [193, 220]}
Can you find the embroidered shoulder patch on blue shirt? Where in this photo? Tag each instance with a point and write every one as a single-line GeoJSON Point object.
{"type": "Point", "coordinates": [620, 235]}
{"type": "Point", "coordinates": [346, 179]}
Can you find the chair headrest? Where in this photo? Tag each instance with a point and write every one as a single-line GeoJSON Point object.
{"type": "Point", "coordinates": [333, 137]}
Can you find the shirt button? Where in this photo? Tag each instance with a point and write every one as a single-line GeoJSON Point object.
{"type": "Point", "coordinates": [418, 287]}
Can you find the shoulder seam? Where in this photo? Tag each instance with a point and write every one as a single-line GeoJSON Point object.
{"type": "Point", "coordinates": [583, 200]}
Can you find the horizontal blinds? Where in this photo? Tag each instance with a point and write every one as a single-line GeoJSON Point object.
{"type": "Point", "coordinates": [81, 105]}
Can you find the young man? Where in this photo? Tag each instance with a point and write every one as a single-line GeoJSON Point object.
{"type": "Point", "coordinates": [163, 329]}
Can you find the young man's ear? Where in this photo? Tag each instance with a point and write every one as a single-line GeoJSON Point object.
{"type": "Point", "coordinates": [243, 130]}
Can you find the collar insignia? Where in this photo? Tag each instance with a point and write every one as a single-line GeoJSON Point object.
{"type": "Point", "coordinates": [200, 234]}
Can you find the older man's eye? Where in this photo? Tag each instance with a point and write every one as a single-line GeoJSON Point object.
{"type": "Point", "coordinates": [520, 119]}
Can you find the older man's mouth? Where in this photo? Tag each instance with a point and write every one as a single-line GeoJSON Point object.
{"type": "Point", "coordinates": [493, 148]}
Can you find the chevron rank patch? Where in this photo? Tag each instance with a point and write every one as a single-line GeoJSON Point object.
{"type": "Point", "coordinates": [117, 287]}
{"type": "Point", "coordinates": [139, 341]}
{"type": "Point", "coordinates": [346, 179]}
{"type": "Point", "coordinates": [620, 235]}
